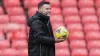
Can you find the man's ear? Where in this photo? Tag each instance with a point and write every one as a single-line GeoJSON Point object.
{"type": "Point", "coordinates": [40, 9]}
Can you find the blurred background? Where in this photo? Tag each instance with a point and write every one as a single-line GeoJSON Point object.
{"type": "Point", "coordinates": [80, 17]}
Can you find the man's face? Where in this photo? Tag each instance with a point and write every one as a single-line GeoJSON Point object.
{"type": "Point", "coordinates": [45, 9]}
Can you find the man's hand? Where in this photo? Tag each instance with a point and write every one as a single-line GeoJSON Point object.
{"type": "Point", "coordinates": [59, 40]}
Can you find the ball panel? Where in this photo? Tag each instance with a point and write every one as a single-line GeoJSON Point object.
{"type": "Point", "coordinates": [61, 32]}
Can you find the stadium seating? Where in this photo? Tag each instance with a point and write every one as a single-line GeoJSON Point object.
{"type": "Point", "coordinates": [56, 19]}
{"type": "Point", "coordinates": [63, 52]}
{"type": "Point", "coordinates": [17, 35]}
{"type": "Point", "coordinates": [1, 10]}
{"type": "Point", "coordinates": [69, 11]}
{"type": "Point", "coordinates": [87, 11]}
{"type": "Point", "coordinates": [75, 44]}
{"type": "Point", "coordinates": [79, 52]}
{"type": "Point", "coordinates": [97, 2]}
{"type": "Point", "coordinates": [0, 53]}
{"type": "Point", "coordinates": [76, 35]}
{"type": "Point", "coordinates": [98, 11]}
{"type": "Point", "coordinates": [12, 10]}
{"type": "Point", "coordinates": [26, 2]}
{"type": "Point", "coordinates": [62, 45]}
{"type": "Point", "coordinates": [85, 3]}
{"type": "Point", "coordinates": [92, 36]}
{"type": "Point", "coordinates": [89, 19]}
{"type": "Point", "coordinates": [4, 19]}
{"type": "Point", "coordinates": [56, 10]}
{"type": "Point", "coordinates": [2, 36]}
{"type": "Point", "coordinates": [75, 27]}
{"type": "Point", "coordinates": [94, 52]}
{"type": "Point", "coordinates": [19, 44]}
{"type": "Point", "coordinates": [11, 3]}
{"type": "Point", "coordinates": [32, 11]}
{"type": "Point", "coordinates": [80, 17]}
{"type": "Point", "coordinates": [57, 25]}
{"type": "Point", "coordinates": [2, 26]}
{"type": "Point", "coordinates": [4, 44]}
{"type": "Point", "coordinates": [18, 19]}
{"type": "Point", "coordinates": [91, 27]}
{"type": "Point", "coordinates": [23, 52]}
{"type": "Point", "coordinates": [33, 3]}
{"type": "Point", "coordinates": [68, 3]}
{"type": "Point", "coordinates": [54, 3]}
{"type": "Point", "coordinates": [72, 19]}
{"type": "Point", "coordinates": [9, 52]}
{"type": "Point", "coordinates": [10, 27]}
{"type": "Point", "coordinates": [93, 44]}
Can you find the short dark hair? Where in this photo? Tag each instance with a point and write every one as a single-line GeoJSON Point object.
{"type": "Point", "coordinates": [42, 3]}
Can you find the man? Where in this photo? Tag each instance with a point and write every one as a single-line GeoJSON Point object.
{"type": "Point", "coordinates": [41, 40]}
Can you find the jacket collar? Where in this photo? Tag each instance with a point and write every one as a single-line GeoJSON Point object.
{"type": "Point", "coordinates": [42, 17]}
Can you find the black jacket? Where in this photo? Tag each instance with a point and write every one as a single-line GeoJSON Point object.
{"type": "Point", "coordinates": [41, 40]}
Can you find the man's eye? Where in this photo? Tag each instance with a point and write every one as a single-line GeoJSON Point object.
{"type": "Point", "coordinates": [47, 8]}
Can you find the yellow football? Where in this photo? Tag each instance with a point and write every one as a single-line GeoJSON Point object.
{"type": "Point", "coordinates": [61, 32]}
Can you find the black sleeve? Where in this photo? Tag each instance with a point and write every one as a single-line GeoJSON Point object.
{"type": "Point", "coordinates": [39, 34]}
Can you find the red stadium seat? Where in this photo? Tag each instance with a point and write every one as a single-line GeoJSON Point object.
{"type": "Point", "coordinates": [94, 52]}
{"type": "Point", "coordinates": [55, 10]}
{"type": "Point", "coordinates": [70, 11]}
{"type": "Point", "coordinates": [2, 36]}
{"type": "Point", "coordinates": [97, 3]}
{"type": "Point", "coordinates": [12, 27]}
{"type": "Point", "coordinates": [76, 44]}
{"type": "Point", "coordinates": [56, 25]}
{"type": "Point", "coordinates": [1, 10]}
{"type": "Point", "coordinates": [9, 36]}
{"type": "Point", "coordinates": [92, 36]}
{"type": "Point", "coordinates": [23, 52]}
{"type": "Point", "coordinates": [62, 45]}
{"type": "Point", "coordinates": [0, 52]}
{"type": "Point", "coordinates": [91, 27]}
{"type": "Point", "coordinates": [56, 19]}
{"type": "Point", "coordinates": [94, 44]}
{"type": "Point", "coordinates": [2, 26]}
{"type": "Point", "coordinates": [87, 11]}
{"type": "Point", "coordinates": [12, 10]}
{"type": "Point", "coordinates": [99, 20]}
{"type": "Point", "coordinates": [11, 3]}
{"type": "Point", "coordinates": [89, 19]}
{"type": "Point", "coordinates": [28, 29]}
{"type": "Point", "coordinates": [72, 19]}
{"type": "Point", "coordinates": [9, 52]}
{"type": "Point", "coordinates": [54, 3]}
{"type": "Point", "coordinates": [76, 35]}
{"type": "Point", "coordinates": [74, 27]}
{"type": "Point", "coordinates": [4, 19]}
{"type": "Point", "coordinates": [62, 52]}
{"type": "Point", "coordinates": [32, 11]}
{"type": "Point", "coordinates": [85, 3]}
{"type": "Point", "coordinates": [17, 35]}
{"type": "Point", "coordinates": [79, 52]}
{"type": "Point", "coordinates": [18, 19]}
{"type": "Point", "coordinates": [20, 35]}
{"type": "Point", "coordinates": [68, 3]}
{"type": "Point", "coordinates": [26, 3]}
{"type": "Point", "coordinates": [4, 44]}
{"type": "Point", "coordinates": [98, 11]}
{"type": "Point", "coordinates": [33, 3]}
{"type": "Point", "coordinates": [23, 27]}
{"type": "Point", "coordinates": [19, 44]}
